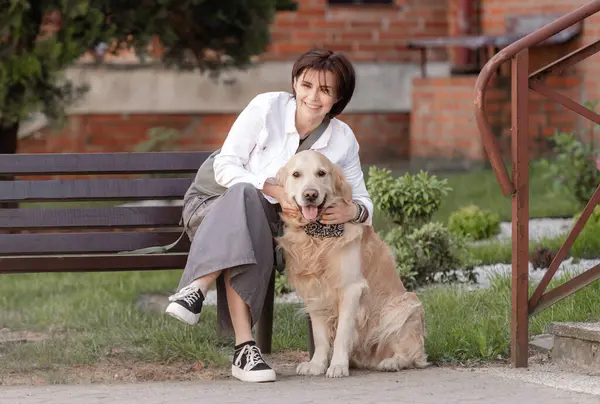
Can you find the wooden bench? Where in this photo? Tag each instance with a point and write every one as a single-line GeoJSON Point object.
{"type": "Point", "coordinates": [89, 238]}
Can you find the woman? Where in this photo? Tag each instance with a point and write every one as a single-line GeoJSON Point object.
{"type": "Point", "coordinates": [234, 243]}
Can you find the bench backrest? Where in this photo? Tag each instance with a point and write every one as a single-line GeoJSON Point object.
{"type": "Point", "coordinates": [86, 228]}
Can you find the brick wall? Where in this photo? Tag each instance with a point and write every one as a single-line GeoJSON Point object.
{"type": "Point", "coordinates": [381, 136]}
{"type": "Point", "coordinates": [580, 82]}
{"type": "Point", "coordinates": [443, 123]}
{"type": "Point", "coordinates": [364, 32]}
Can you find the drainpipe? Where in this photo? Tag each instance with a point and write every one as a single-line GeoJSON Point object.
{"type": "Point", "coordinates": [464, 24]}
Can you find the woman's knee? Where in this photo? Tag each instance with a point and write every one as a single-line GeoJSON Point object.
{"type": "Point", "coordinates": [244, 188]}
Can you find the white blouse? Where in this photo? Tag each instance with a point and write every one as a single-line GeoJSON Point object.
{"type": "Point", "coordinates": [264, 137]}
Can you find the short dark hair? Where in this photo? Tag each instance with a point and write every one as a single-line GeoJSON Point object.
{"type": "Point", "coordinates": [335, 62]}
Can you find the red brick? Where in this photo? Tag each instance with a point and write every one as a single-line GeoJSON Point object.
{"type": "Point", "coordinates": [380, 135]}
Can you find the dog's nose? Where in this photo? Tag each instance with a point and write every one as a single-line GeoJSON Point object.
{"type": "Point", "coordinates": [310, 194]}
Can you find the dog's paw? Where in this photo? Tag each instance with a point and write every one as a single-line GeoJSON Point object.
{"type": "Point", "coordinates": [391, 364]}
{"type": "Point", "coordinates": [311, 368]}
{"type": "Point", "coordinates": [338, 370]}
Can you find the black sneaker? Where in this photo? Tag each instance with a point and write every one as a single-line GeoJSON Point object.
{"type": "Point", "coordinates": [186, 305]}
{"type": "Point", "coordinates": [249, 366]}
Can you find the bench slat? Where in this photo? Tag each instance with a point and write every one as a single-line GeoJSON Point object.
{"type": "Point", "coordinates": [101, 163]}
{"type": "Point", "coordinates": [84, 243]}
{"type": "Point", "coordinates": [73, 218]}
{"type": "Point", "coordinates": [93, 189]}
{"type": "Point", "coordinates": [92, 263]}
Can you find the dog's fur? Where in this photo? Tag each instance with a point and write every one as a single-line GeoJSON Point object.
{"type": "Point", "coordinates": [356, 301]}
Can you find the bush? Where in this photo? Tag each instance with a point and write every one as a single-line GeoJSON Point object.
{"type": "Point", "coordinates": [474, 222]}
{"type": "Point", "coordinates": [541, 257]}
{"type": "Point", "coordinates": [410, 200]}
{"type": "Point", "coordinates": [574, 170]}
{"type": "Point", "coordinates": [587, 243]}
{"type": "Point", "coordinates": [281, 284]}
{"type": "Point", "coordinates": [430, 254]}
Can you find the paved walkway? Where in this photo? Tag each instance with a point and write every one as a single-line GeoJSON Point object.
{"type": "Point", "coordinates": [429, 386]}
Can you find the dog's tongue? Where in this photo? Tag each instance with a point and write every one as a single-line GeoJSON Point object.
{"type": "Point", "coordinates": [310, 212]}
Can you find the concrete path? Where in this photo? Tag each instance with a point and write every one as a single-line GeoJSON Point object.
{"type": "Point", "coordinates": [429, 386]}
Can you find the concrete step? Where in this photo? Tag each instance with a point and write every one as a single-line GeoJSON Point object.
{"type": "Point", "coordinates": [576, 345]}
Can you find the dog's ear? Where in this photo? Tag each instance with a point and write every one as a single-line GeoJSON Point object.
{"type": "Point", "coordinates": [281, 176]}
{"type": "Point", "coordinates": [340, 185]}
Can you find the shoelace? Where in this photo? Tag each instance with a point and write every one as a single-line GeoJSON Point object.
{"type": "Point", "coordinates": [253, 357]}
{"type": "Point", "coordinates": [189, 294]}
{"type": "Point", "coordinates": [192, 298]}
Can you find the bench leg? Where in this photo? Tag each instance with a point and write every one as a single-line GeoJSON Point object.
{"type": "Point", "coordinates": [264, 327]}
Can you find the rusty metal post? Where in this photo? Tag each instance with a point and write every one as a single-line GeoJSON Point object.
{"type": "Point", "coordinates": [520, 208]}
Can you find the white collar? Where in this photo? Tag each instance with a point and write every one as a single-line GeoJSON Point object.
{"type": "Point", "coordinates": [290, 125]}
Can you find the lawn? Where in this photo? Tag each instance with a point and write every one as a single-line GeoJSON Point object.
{"type": "Point", "coordinates": [92, 318]}
{"type": "Point", "coordinates": [480, 187]}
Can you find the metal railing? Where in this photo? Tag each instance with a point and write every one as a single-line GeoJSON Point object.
{"type": "Point", "coordinates": [524, 306]}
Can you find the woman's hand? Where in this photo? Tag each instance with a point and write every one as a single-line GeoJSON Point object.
{"type": "Point", "coordinates": [339, 213]}
{"type": "Point", "coordinates": [288, 206]}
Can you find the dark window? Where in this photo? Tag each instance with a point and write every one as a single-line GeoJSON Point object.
{"type": "Point", "coordinates": [361, 2]}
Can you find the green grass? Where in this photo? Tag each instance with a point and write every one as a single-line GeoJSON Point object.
{"type": "Point", "coordinates": [93, 317]}
{"type": "Point", "coordinates": [480, 187]}
{"type": "Point", "coordinates": [473, 326]}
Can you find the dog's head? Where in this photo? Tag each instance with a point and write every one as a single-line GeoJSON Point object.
{"type": "Point", "coordinates": [313, 182]}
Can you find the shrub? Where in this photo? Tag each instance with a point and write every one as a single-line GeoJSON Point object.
{"type": "Point", "coordinates": [281, 285]}
{"type": "Point", "coordinates": [430, 254]}
{"type": "Point", "coordinates": [587, 243]}
{"type": "Point", "coordinates": [574, 169]}
{"type": "Point", "coordinates": [474, 222]}
{"type": "Point", "coordinates": [410, 200]}
{"type": "Point", "coordinates": [541, 257]}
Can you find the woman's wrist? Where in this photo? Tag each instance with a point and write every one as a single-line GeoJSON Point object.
{"type": "Point", "coordinates": [272, 190]}
{"type": "Point", "coordinates": [361, 213]}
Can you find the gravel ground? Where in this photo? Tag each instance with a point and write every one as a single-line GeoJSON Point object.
{"type": "Point", "coordinates": [539, 228]}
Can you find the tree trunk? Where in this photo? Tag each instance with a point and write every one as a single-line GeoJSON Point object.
{"type": "Point", "coordinates": [8, 145]}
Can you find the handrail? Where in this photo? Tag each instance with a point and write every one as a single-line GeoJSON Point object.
{"type": "Point", "coordinates": [492, 65]}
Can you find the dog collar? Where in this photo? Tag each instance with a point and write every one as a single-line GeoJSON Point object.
{"type": "Point", "coordinates": [320, 230]}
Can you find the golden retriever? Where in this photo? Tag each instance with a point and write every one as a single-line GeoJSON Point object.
{"type": "Point", "coordinates": [356, 301]}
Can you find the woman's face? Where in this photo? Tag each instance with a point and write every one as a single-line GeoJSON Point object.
{"type": "Point", "coordinates": [315, 93]}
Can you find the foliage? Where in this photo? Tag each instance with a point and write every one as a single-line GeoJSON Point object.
{"type": "Point", "coordinates": [573, 170]}
{"type": "Point", "coordinates": [474, 222]}
{"type": "Point", "coordinates": [281, 285]}
{"type": "Point", "coordinates": [425, 251]}
{"type": "Point", "coordinates": [39, 40]}
{"type": "Point", "coordinates": [410, 200]}
{"type": "Point", "coordinates": [541, 257]}
{"type": "Point", "coordinates": [431, 254]}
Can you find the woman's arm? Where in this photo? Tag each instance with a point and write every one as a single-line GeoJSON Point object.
{"type": "Point", "coordinates": [354, 175]}
{"type": "Point", "coordinates": [361, 210]}
{"type": "Point", "coordinates": [240, 141]}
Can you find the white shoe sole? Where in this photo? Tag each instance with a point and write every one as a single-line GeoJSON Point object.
{"type": "Point", "coordinates": [177, 311]}
{"type": "Point", "coordinates": [253, 376]}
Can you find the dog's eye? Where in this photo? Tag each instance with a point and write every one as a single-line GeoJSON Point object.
{"type": "Point", "coordinates": [321, 173]}
{"type": "Point", "coordinates": [296, 174]}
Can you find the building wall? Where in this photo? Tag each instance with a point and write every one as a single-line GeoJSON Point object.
{"type": "Point", "coordinates": [126, 100]}
{"type": "Point", "coordinates": [442, 121]}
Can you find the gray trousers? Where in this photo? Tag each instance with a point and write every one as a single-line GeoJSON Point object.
{"type": "Point", "coordinates": [235, 232]}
